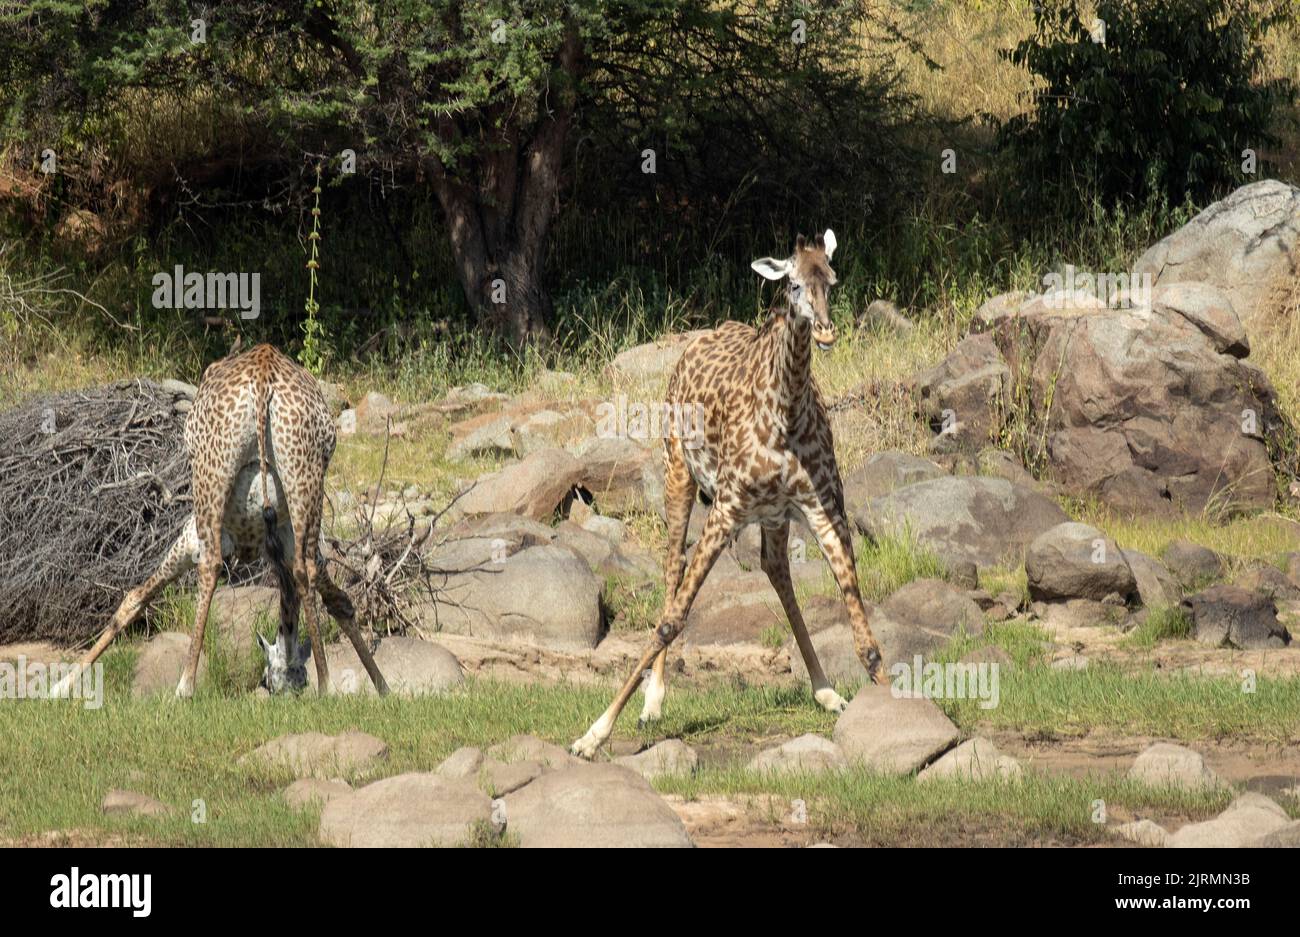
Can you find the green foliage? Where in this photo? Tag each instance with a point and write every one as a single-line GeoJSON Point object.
{"type": "Point", "coordinates": [1161, 110]}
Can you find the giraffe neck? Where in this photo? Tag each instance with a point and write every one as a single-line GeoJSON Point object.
{"type": "Point", "coordinates": [790, 355]}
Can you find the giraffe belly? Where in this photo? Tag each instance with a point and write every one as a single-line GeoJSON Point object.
{"type": "Point", "coordinates": [704, 470]}
{"type": "Point", "coordinates": [243, 522]}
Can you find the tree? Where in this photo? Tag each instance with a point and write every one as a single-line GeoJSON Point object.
{"type": "Point", "coordinates": [477, 100]}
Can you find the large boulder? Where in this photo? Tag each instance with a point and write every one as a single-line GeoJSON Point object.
{"type": "Point", "coordinates": [1248, 819]}
{"type": "Point", "coordinates": [159, 664]}
{"type": "Point", "coordinates": [541, 595]}
{"type": "Point", "coordinates": [593, 806]}
{"type": "Point", "coordinates": [892, 733]}
{"type": "Point", "coordinates": [411, 667]}
{"type": "Point", "coordinates": [1076, 561]}
{"type": "Point", "coordinates": [1230, 616]}
{"type": "Point", "coordinates": [884, 472]}
{"type": "Point", "coordinates": [934, 605]}
{"type": "Point", "coordinates": [535, 487]}
{"type": "Point", "coordinates": [1247, 245]}
{"type": "Point", "coordinates": [316, 755]}
{"type": "Point", "coordinates": [651, 362]}
{"type": "Point", "coordinates": [987, 521]}
{"type": "Point", "coordinates": [832, 640]}
{"type": "Point", "coordinates": [1165, 764]}
{"type": "Point", "coordinates": [1149, 407]}
{"type": "Point", "coordinates": [614, 473]}
{"type": "Point", "coordinates": [963, 396]}
{"type": "Point", "coordinates": [406, 811]}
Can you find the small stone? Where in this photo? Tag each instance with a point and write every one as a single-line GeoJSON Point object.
{"type": "Point", "coordinates": [314, 791]}
{"type": "Point", "coordinates": [668, 758]}
{"type": "Point", "coordinates": [1167, 764]}
{"type": "Point", "coordinates": [1142, 832]}
{"type": "Point", "coordinates": [807, 754]}
{"type": "Point", "coordinates": [131, 803]}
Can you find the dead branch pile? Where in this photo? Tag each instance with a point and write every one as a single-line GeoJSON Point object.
{"type": "Point", "coordinates": [94, 487]}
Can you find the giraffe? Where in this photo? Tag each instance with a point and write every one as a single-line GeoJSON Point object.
{"type": "Point", "coordinates": [767, 457]}
{"type": "Point", "coordinates": [260, 437]}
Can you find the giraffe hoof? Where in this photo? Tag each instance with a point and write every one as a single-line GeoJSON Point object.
{"type": "Point", "coordinates": [830, 700]}
{"type": "Point", "coordinates": [586, 747]}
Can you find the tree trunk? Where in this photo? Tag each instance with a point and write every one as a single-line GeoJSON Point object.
{"type": "Point", "coordinates": [500, 225]}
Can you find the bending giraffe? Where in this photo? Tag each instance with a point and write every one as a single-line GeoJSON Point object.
{"type": "Point", "coordinates": [767, 457]}
{"type": "Point", "coordinates": [260, 438]}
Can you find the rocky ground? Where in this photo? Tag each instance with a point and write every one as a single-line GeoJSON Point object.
{"type": "Point", "coordinates": [1169, 670]}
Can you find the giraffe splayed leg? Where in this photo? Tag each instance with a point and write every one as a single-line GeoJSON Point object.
{"type": "Point", "coordinates": [766, 457]}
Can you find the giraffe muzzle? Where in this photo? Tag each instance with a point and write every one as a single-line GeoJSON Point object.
{"type": "Point", "coordinates": [824, 336]}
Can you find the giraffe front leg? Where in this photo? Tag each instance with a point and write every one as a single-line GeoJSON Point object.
{"type": "Point", "coordinates": [717, 531]}
{"type": "Point", "coordinates": [836, 541]}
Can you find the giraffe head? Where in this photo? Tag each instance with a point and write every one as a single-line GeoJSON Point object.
{"type": "Point", "coordinates": [286, 662]}
{"type": "Point", "coordinates": [810, 281]}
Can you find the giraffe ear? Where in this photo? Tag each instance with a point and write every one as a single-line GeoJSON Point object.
{"type": "Point", "coordinates": [770, 268]}
{"type": "Point", "coordinates": [829, 238]}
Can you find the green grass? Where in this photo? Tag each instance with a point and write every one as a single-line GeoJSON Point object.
{"type": "Point", "coordinates": [893, 562]}
{"type": "Point", "coordinates": [877, 810]}
{"type": "Point", "coordinates": [61, 759]}
{"type": "Point", "coordinates": [1161, 624]}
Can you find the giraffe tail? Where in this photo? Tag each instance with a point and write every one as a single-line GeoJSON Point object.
{"type": "Point", "coordinates": [274, 546]}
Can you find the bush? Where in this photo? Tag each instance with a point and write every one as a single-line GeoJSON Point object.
{"type": "Point", "coordinates": [1149, 101]}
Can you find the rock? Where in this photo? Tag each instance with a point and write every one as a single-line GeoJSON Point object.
{"type": "Point", "coordinates": [405, 811]}
{"type": "Point", "coordinates": [998, 308]}
{"type": "Point", "coordinates": [892, 734]}
{"type": "Point", "coordinates": [373, 413]}
{"type": "Point", "coordinates": [936, 606]}
{"type": "Point", "coordinates": [411, 667]}
{"type": "Point", "coordinates": [885, 471]}
{"type": "Point", "coordinates": [178, 388]}
{"type": "Point", "coordinates": [501, 778]}
{"type": "Point", "coordinates": [987, 521]}
{"type": "Point", "coordinates": [238, 611]}
{"type": "Point", "coordinates": [1167, 765]}
{"type": "Point", "coordinates": [611, 528]}
{"type": "Point", "coordinates": [315, 755]}
{"type": "Point", "coordinates": [1156, 586]}
{"type": "Point", "coordinates": [336, 397]}
{"type": "Point", "coordinates": [1231, 616]}
{"type": "Point", "coordinates": [883, 316]}
{"type": "Point", "coordinates": [808, 754]}
{"type": "Point", "coordinates": [531, 748]}
{"type": "Point", "coordinates": [542, 595]}
{"type": "Point", "coordinates": [1142, 832]}
{"type": "Point", "coordinates": [832, 639]}
{"type": "Point", "coordinates": [651, 361]}
{"type": "Point", "coordinates": [1192, 564]}
{"type": "Point", "coordinates": [307, 792]}
{"type": "Point", "coordinates": [131, 803]}
{"type": "Point", "coordinates": [593, 806]}
{"type": "Point", "coordinates": [976, 759]}
{"type": "Point", "coordinates": [535, 487]}
{"type": "Point", "coordinates": [1075, 561]}
{"type": "Point", "coordinates": [546, 428]}
{"type": "Point", "coordinates": [1147, 401]}
{"type": "Point", "coordinates": [613, 470]}
{"type": "Point", "coordinates": [485, 435]}
{"type": "Point", "coordinates": [668, 758]}
{"type": "Point", "coordinates": [1248, 818]}
{"type": "Point", "coordinates": [998, 463]}
{"type": "Point", "coordinates": [160, 662]}
{"type": "Point", "coordinates": [963, 396]}
{"type": "Point", "coordinates": [1286, 837]}
{"type": "Point", "coordinates": [733, 609]}
{"type": "Point", "coordinates": [1245, 245]}
{"type": "Point", "coordinates": [1268, 581]}
{"type": "Point", "coordinates": [462, 763]}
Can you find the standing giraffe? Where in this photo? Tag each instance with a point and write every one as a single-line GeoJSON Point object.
{"type": "Point", "coordinates": [260, 437]}
{"type": "Point", "coordinates": [767, 457]}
